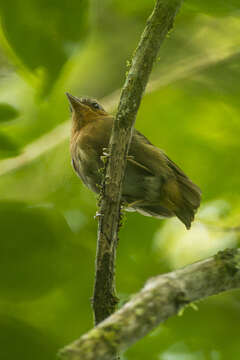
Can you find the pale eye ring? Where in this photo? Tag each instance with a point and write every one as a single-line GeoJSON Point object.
{"type": "Point", "coordinates": [96, 105]}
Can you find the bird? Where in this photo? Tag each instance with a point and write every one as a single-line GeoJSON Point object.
{"type": "Point", "coordinates": [153, 184]}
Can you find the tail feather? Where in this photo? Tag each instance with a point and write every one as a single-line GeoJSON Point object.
{"type": "Point", "coordinates": [190, 192]}
{"type": "Point", "coordinates": [186, 215]}
{"type": "Point", "coordinates": [189, 197]}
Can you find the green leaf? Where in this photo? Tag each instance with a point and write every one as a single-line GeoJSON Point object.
{"type": "Point", "coordinates": [34, 250]}
{"type": "Point", "coordinates": [8, 148]}
{"type": "Point", "coordinates": [44, 34]}
{"type": "Point", "coordinates": [29, 341]}
{"type": "Point", "coordinates": [7, 112]}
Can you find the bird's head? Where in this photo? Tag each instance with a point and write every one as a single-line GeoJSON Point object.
{"type": "Point", "coordinates": [85, 110]}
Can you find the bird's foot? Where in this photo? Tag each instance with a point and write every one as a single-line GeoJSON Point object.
{"type": "Point", "coordinates": [105, 155]}
{"type": "Point", "coordinates": [105, 152]}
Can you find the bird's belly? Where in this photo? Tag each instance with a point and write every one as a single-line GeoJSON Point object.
{"type": "Point", "coordinates": [88, 169]}
{"type": "Point", "coordinates": [137, 185]}
{"type": "Point", "coordinates": [91, 177]}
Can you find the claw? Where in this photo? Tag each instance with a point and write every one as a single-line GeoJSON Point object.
{"type": "Point", "coordinates": [105, 155]}
{"type": "Point", "coordinates": [97, 215]}
{"type": "Point", "coordinates": [105, 152]}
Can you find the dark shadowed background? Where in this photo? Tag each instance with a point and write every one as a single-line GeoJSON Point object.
{"type": "Point", "coordinates": [47, 226]}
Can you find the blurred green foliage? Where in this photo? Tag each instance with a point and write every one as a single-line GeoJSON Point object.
{"type": "Point", "coordinates": [43, 34]}
{"type": "Point", "coordinates": [7, 112]}
{"type": "Point", "coordinates": [48, 233]}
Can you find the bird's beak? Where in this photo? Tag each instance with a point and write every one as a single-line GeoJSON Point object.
{"type": "Point", "coordinates": [75, 102]}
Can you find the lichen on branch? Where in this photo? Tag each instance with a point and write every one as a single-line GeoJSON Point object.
{"type": "Point", "coordinates": [158, 25]}
{"type": "Point", "coordinates": [162, 296]}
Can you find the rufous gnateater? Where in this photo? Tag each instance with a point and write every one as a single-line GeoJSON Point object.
{"type": "Point", "coordinates": [153, 184]}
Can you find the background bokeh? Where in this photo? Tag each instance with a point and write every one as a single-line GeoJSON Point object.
{"type": "Point", "coordinates": [47, 228]}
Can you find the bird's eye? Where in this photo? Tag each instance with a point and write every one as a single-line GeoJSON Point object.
{"type": "Point", "coordinates": [96, 105]}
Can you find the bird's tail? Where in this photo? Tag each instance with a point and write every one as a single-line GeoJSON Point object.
{"type": "Point", "coordinates": [188, 197]}
{"type": "Point", "coordinates": [180, 197]}
{"type": "Point", "coordinates": [191, 197]}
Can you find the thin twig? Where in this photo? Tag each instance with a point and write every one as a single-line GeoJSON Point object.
{"type": "Point", "coordinates": [158, 25]}
{"type": "Point", "coordinates": [162, 297]}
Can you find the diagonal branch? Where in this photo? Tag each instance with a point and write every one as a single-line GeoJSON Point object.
{"type": "Point", "coordinates": [158, 25]}
{"type": "Point", "coordinates": [163, 296]}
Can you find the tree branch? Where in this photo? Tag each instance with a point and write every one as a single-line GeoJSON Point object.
{"type": "Point", "coordinates": [162, 296]}
{"type": "Point", "coordinates": [158, 25]}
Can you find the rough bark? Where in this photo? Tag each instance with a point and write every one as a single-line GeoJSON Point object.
{"type": "Point", "coordinates": [158, 25]}
{"type": "Point", "coordinates": [162, 296]}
